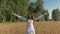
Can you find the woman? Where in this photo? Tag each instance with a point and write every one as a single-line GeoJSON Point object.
{"type": "Point", "coordinates": [30, 20]}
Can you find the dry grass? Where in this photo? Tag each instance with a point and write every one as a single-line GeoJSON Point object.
{"type": "Point", "coordinates": [40, 28]}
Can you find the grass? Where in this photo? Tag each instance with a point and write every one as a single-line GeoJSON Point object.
{"type": "Point", "coordinates": [49, 27]}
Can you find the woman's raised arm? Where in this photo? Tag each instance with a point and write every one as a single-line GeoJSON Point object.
{"type": "Point", "coordinates": [39, 17]}
{"type": "Point", "coordinates": [20, 17]}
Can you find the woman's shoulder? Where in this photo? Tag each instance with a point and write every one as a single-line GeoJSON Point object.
{"type": "Point", "coordinates": [30, 20]}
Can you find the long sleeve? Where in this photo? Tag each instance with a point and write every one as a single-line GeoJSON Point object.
{"type": "Point", "coordinates": [22, 18]}
{"type": "Point", "coordinates": [39, 17]}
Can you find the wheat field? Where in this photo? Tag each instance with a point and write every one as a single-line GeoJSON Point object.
{"type": "Point", "coordinates": [45, 27]}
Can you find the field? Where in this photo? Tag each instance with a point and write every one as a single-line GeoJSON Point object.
{"type": "Point", "coordinates": [49, 27]}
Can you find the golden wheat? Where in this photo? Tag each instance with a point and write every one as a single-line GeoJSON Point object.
{"type": "Point", "coordinates": [40, 28]}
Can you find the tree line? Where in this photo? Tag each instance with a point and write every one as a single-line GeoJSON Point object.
{"type": "Point", "coordinates": [56, 14]}
{"type": "Point", "coordinates": [20, 7]}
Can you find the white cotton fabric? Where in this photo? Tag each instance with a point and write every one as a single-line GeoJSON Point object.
{"type": "Point", "coordinates": [39, 17]}
{"type": "Point", "coordinates": [22, 18]}
{"type": "Point", "coordinates": [30, 28]}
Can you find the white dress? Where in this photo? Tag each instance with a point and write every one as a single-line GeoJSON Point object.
{"type": "Point", "coordinates": [30, 28]}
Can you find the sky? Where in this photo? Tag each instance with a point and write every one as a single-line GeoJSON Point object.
{"type": "Point", "coordinates": [50, 5]}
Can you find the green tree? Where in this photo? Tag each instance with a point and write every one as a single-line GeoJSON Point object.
{"type": "Point", "coordinates": [39, 8]}
{"type": "Point", "coordinates": [8, 6]}
{"type": "Point", "coordinates": [56, 14]}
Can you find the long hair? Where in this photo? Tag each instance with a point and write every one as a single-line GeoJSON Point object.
{"type": "Point", "coordinates": [30, 16]}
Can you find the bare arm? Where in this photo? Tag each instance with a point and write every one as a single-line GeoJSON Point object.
{"type": "Point", "coordinates": [20, 17]}
{"type": "Point", "coordinates": [39, 17]}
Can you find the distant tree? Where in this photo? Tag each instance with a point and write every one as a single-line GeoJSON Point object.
{"type": "Point", "coordinates": [32, 7]}
{"type": "Point", "coordinates": [56, 14]}
{"type": "Point", "coordinates": [53, 15]}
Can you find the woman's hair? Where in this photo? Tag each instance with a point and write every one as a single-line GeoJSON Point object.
{"type": "Point", "coordinates": [30, 16]}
